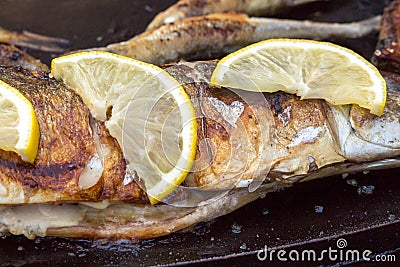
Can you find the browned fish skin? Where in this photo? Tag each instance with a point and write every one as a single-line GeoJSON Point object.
{"type": "Point", "coordinates": [237, 149]}
{"type": "Point", "coordinates": [192, 8]}
{"type": "Point", "coordinates": [61, 154]}
{"type": "Point", "coordinates": [66, 146]}
{"type": "Point", "coordinates": [12, 56]}
{"type": "Point", "coordinates": [212, 36]}
{"type": "Point", "coordinates": [387, 54]}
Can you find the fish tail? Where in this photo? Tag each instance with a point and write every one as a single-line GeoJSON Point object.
{"type": "Point", "coordinates": [367, 26]}
{"type": "Point", "coordinates": [302, 2]}
{"type": "Point", "coordinates": [35, 41]}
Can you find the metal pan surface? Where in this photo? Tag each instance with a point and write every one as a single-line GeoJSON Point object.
{"type": "Point", "coordinates": [363, 209]}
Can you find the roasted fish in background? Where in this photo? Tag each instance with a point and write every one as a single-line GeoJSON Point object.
{"type": "Point", "coordinates": [78, 187]}
{"type": "Point", "coordinates": [215, 35]}
{"type": "Point", "coordinates": [387, 54]}
{"type": "Point", "coordinates": [200, 36]}
{"type": "Point", "coordinates": [12, 56]}
{"type": "Point", "coordinates": [193, 8]}
{"type": "Point", "coordinates": [34, 41]}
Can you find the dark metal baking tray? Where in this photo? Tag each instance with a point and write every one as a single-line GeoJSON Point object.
{"type": "Point", "coordinates": [312, 215]}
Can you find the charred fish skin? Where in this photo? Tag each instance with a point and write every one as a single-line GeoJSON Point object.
{"type": "Point", "coordinates": [216, 35]}
{"type": "Point", "coordinates": [59, 158]}
{"type": "Point", "coordinates": [387, 54]}
{"type": "Point", "coordinates": [193, 8]}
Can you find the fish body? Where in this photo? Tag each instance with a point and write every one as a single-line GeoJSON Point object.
{"type": "Point", "coordinates": [283, 136]}
{"type": "Point", "coordinates": [275, 139]}
{"type": "Point", "coordinates": [211, 36]}
{"type": "Point", "coordinates": [193, 8]}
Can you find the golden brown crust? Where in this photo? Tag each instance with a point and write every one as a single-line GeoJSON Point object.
{"type": "Point", "coordinates": [113, 187]}
{"type": "Point", "coordinates": [65, 143]}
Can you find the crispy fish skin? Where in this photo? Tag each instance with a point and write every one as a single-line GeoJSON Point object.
{"type": "Point", "coordinates": [193, 8]}
{"type": "Point", "coordinates": [211, 36]}
{"type": "Point", "coordinates": [67, 145]}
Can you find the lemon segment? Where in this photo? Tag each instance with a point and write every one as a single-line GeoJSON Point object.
{"type": "Point", "coordinates": [307, 68]}
{"type": "Point", "coordinates": [19, 128]}
{"type": "Point", "coordinates": [144, 108]}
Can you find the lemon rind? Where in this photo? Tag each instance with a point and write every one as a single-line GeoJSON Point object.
{"type": "Point", "coordinates": [379, 100]}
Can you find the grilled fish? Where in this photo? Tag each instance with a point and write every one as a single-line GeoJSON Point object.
{"type": "Point", "coordinates": [12, 56]}
{"type": "Point", "coordinates": [193, 8]}
{"type": "Point", "coordinates": [387, 54]}
{"type": "Point", "coordinates": [76, 160]}
{"type": "Point", "coordinates": [78, 185]}
{"type": "Point", "coordinates": [211, 36]}
{"type": "Point", "coordinates": [34, 41]}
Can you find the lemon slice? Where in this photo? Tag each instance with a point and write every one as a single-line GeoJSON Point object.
{"type": "Point", "coordinates": [307, 68]}
{"type": "Point", "coordinates": [144, 108]}
{"type": "Point", "coordinates": [19, 128]}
